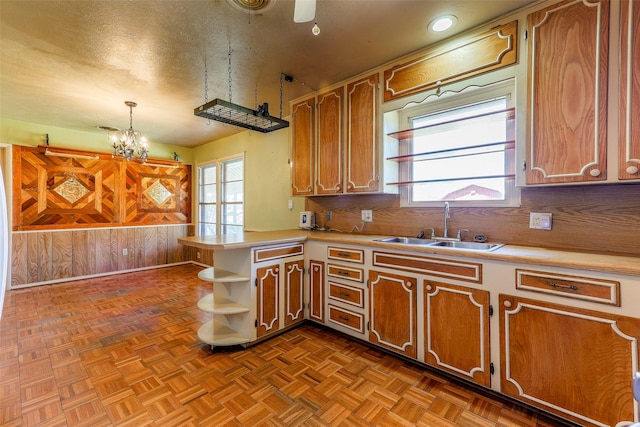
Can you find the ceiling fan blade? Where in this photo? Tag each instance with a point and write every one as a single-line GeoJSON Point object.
{"type": "Point", "coordinates": [304, 11]}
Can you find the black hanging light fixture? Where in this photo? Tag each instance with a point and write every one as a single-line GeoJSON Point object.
{"type": "Point", "coordinates": [227, 112]}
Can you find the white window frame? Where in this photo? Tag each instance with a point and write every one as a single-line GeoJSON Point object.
{"type": "Point", "coordinates": [449, 101]}
{"type": "Point", "coordinates": [219, 199]}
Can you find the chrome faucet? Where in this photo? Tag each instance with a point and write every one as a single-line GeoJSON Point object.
{"type": "Point", "coordinates": [446, 220]}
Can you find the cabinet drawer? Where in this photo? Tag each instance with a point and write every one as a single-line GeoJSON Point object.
{"type": "Point", "coordinates": [347, 294]}
{"type": "Point", "coordinates": [451, 269]}
{"type": "Point", "coordinates": [269, 254]}
{"type": "Point", "coordinates": [584, 288]}
{"type": "Point", "coordinates": [343, 272]}
{"type": "Point", "coordinates": [344, 254]}
{"type": "Point", "coordinates": [346, 318]}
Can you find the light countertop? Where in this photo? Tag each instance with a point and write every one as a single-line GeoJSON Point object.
{"type": "Point", "coordinates": [606, 263]}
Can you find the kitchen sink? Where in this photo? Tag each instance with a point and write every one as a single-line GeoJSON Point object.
{"type": "Point", "coordinates": [473, 246]}
{"type": "Point", "coordinates": [406, 240]}
{"type": "Point", "coordinates": [476, 246]}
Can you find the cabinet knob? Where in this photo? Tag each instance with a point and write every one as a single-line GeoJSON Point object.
{"type": "Point", "coordinates": [632, 170]}
{"type": "Point", "coordinates": [507, 304]}
{"type": "Point", "coordinates": [595, 172]}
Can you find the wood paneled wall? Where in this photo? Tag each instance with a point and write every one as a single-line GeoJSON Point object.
{"type": "Point", "coordinates": [598, 218]}
{"type": "Point", "coordinates": [45, 256]}
{"type": "Point", "coordinates": [73, 189]}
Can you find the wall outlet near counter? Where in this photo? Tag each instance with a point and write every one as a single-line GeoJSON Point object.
{"type": "Point", "coordinates": [540, 221]}
{"type": "Point", "coordinates": [367, 215]}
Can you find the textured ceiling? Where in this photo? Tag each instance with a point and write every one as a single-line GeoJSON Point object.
{"type": "Point", "coordinates": [73, 63]}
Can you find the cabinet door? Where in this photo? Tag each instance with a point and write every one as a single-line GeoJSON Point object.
{"type": "Point", "coordinates": [393, 305]}
{"type": "Point", "coordinates": [457, 330]}
{"type": "Point", "coordinates": [268, 283]}
{"type": "Point", "coordinates": [329, 142]}
{"type": "Point", "coordinates": [293, 292]}
{"type": "Point", "coordinates": [567, 92]}
{"type": "Point", "coordinates": [573, 362]}
{"type": "Point", "coordinates": [316, 291]}
{"type": "Point", "coordinates": [302, 144]}
{"type": "Point", "coordinates": [362, 135]}
{"type": "Point", "coordinates": [630, 91]}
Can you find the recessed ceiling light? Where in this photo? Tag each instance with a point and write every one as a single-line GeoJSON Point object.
{"type": "Point", "coordinates": [443, 23]}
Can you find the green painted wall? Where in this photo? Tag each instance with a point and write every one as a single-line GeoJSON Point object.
{"type": "Point", "coordinates": [267, 174]}
{"type": "Point", "coordinates": [33, 134]}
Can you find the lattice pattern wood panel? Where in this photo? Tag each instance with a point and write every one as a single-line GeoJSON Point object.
{"type": "Point", "coordinates": [73, 189]}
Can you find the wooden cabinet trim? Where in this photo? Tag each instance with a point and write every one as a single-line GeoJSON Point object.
{"type": "Point", "coordinates": [362, 135]}
{"type": "Point", "coordinates": [601, 360]}
{"type": "Point", "coordinates": [345, 272]}
{"type": "Point", "coordinates": [459, 270]}
{"type": "Point", "coordinates": [345, 254]}
{"type": "Point", "coordinates": [346, 294]}
{"type": "Point", "coordinates": [564, 144]}
{"type": "Point", "coordinates": [392, 300]}
{"type": "Point", "coordinates": [316, 291]}
{"type": "Point", "coordinates": [576, 287]}
{"type": "Point", "coordinates": [491, 49]}
{"type": "Point", "coordinates": [458, 330]}
{"type": "Point", "coordinates": [294, 291]}
{"type": "Point", "coordinates": [629, 163]}
{"type": "Point", "coordinates": [268, 309]}
{"type": "Point", "coordinates": [270, 254]}
{"type": "Point", "coordinates": [302, 147]}
{"type": "Point", "coordinates": [329, 145]}
{"type": "Point", "coordinates": [346, 318]}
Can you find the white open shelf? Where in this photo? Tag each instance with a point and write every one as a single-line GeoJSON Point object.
{"type": "Point", "coordinates": [212, 274]}
{"type": "Point", "coordinates": [217, 334]}
{"type": "Point", "coordinates": [217, 304]}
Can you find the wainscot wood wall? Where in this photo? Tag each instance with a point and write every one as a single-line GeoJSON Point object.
{"type": "Point", "coordinates": [48, 256]}
{"type": "Point", "coordinates": [596, 218]}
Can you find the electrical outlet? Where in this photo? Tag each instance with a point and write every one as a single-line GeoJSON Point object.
{"type": "Point", "coordinates": [540, 221]}
{"type": "Point", "coordinates": [329, 216]}
{"type": "Point", "coordinates": [198, 255]}
{"type": "Point", "coordinates": [367, 215]}
{"type": "Point", "coordinates": [125, 251]}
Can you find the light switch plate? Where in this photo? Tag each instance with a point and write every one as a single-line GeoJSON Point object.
{"type": "Point", "coordinates": [367, 215]}
{"type": "Point", "coordinates": [540, 221]}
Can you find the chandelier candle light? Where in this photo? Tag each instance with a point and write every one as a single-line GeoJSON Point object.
{"type": "Point", "coordinates": [129, 143]}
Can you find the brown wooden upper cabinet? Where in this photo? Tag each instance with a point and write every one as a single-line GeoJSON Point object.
{"type": "Point", "coordinates": [302, 147]}
{"type": "Point", "coordinates": [567, 92]}
{"type": "Point", "coordinates": [321, 161]}
{"type": "Point", "coordinates": [629, 166]}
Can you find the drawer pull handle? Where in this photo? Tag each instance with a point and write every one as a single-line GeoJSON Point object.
{"type": "Point", "coordinates": [556, 285]}
{"type": "Point", "coordinates": [343, 254]}
{"type": "Point", "coordinates": [346, 319]}
{"type": "Point", "coordinates": [343, 273]}
{"type": "Point", "coordinates": [344, 294]}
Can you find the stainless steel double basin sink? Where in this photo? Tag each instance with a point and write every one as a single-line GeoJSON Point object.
{"type": "Point", "coordinates": [413, 241]}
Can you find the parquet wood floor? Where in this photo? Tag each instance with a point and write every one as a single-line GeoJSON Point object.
{"type": "Point", "coordinates": [123, 350]}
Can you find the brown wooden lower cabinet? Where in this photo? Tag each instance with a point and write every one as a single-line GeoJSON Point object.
{"type": "Point", "coordinates": [316, 291]}
{"type": "Point", "coordinates": [456, 336]}
{"type": "Point", "coordinates": [573, 362]}
{"type": "Point", "coordinates": [293, 292]}
{"type": "Point", "coordinates": [268, 283]}
{"type": "Point", "coordinates": [393, 305]}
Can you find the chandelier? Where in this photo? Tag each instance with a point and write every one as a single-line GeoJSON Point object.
{"type": "Point", "coordinates": [129, 143]}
